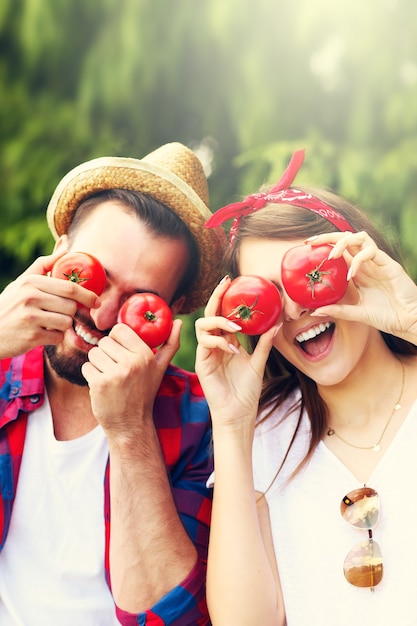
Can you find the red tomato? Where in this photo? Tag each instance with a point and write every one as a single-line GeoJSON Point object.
{"type": "Point", "coordinates": [310, 279]}
{"type": "Point", "coordinates": [252, 302]}
{"type": "Point", "coordinates": [149, 316]}
{"type": "Point", "coordinates": [81, 268]}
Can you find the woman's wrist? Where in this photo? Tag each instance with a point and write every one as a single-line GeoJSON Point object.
{"type": "Point", "coordinates": [237, 434]}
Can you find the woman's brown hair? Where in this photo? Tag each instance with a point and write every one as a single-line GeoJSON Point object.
{"type": "Point", "coordinates": [288, 222]}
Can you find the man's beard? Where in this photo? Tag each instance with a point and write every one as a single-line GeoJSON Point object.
{"type": "Point", "coordinates": [67, 362]}
{"type": "Point", "coordinates": [67, 366]}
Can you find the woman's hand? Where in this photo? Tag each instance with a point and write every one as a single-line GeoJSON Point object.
{"type": "Point", "coordinates": [231, 378]}
{"type": "Point", "coordinates": [387, 296]}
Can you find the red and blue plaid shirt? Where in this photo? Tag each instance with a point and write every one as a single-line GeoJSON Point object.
{"type": "Point", "coordinates": [182, 421]}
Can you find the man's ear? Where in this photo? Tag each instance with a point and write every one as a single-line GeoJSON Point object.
{"type": "Point", "coordinates": [177, 305]}
{"type": "Point", "coordinates": [62, 244]}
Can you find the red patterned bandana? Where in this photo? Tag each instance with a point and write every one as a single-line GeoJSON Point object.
{"type": "Point", "coordinates": [281, 193]}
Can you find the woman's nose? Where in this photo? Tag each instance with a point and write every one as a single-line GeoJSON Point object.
{"type": "Point", "coordinates": [291, 310]}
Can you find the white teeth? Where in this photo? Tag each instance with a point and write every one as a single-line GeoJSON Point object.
{"type": "Point", "coordinates": [86, 336]}
{"type": "Point", "coordinates": [313, 332]}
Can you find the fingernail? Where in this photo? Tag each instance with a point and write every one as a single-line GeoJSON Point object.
{"type": "Point", "coordinates": [223, 280]}
{"type": "Point", "coordinates": [311, 238]}
{"type": "Point", "coordinates": [233, 326]}
{"type": "Point", "coordinates": [349, 274]}
{"type": "Point", "coordinates": [233, 348]}
{"type": "Point", "coordinates": [330, 255]}
{"type": "Point", "coordinates": [317, 314]}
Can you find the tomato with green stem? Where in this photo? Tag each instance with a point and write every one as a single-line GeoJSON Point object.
{"type": "Point", "coordinates": [81, 268]}
{"type": "Point", "coordinates": [310, 278]}
{"type": "Point", "coordinates": [149, 316]}
{"type": "Point", "coordinates": [253, 302]}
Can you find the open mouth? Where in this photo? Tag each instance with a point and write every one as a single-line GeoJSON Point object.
{"type": "Point", "coordinates": [80, 331]}
{"type": "Point", "coordinates": [316, 340]}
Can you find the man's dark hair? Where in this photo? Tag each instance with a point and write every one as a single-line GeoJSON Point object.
{"type": "Point", "coordinates": [158, 219]}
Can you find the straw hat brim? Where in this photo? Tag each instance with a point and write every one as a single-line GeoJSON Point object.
{"type": "Point", "coordinates": [162, 184]}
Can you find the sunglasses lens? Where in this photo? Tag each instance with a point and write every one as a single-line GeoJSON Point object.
{"type": "Point", "coordinates": [363, 565]}
{"type": "Point", "coordinates": [360, 508]}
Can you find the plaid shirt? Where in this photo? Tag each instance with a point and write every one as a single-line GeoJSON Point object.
{"type": "Point", "coordinates": [182, 422]}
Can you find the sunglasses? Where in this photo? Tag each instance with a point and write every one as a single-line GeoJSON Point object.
{"type": "Point", "coordinates": [363, 565]}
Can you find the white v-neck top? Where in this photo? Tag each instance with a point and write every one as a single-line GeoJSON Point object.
{"type": "Point", "coordinates": [312, 540]}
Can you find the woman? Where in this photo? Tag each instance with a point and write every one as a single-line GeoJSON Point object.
{"type": "Point", "coordinates": [332, 392]}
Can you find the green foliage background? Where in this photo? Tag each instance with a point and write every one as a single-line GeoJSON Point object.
{"type": "Point", "coordinates": [244, 83]}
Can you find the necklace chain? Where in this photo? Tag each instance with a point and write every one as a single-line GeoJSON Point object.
{"type": "Point", "coordinates": [377, 446]}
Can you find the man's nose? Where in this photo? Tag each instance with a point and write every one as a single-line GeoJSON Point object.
{"type": "Point", "coordinates": [105, 317]}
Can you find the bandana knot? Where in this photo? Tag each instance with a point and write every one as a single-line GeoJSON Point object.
{"type": "Point", "coordinates": [279, 194]}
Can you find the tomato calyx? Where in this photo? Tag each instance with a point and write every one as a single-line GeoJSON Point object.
{"type": "Point", "coordinates": [149, 316]}
{"type": "Point", "coordinates": [75, 276]}
{"type": "Point", "coordinates": [245, 311]}
{"type": "Point", "coordinates": [316, 277]}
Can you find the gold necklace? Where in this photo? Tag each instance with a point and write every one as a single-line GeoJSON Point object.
{"type": "Point", "coordinates": [377, 446]}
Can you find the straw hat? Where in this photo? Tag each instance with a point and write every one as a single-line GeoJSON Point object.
{"type": "Point", "coordinates": [171, 174]}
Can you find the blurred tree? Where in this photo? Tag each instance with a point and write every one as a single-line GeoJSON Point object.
{"type": "Point", "coordinates": [242, 83]}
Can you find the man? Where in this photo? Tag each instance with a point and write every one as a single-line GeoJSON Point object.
{"type": "Point", "coordinates": [104, 446]}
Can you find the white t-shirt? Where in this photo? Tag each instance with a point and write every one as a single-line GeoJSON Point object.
{"type": "Point", "coordinates": [312, 540]}
{"type": "Point", "coordinates": [52, 565]}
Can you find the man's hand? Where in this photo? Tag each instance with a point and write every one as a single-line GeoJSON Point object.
{"type": "Point", "coordinates": [124, 375]}
{"type": "Point", "coordinates": [36, 309]}
{"type": "Point", "coordinates": [150, 552]}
